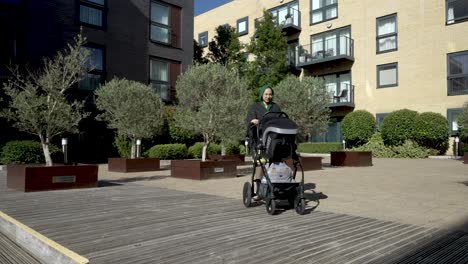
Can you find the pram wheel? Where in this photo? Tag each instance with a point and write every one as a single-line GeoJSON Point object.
{"type": "Point", "coordinates": [271, 206]}
{"type": "Point", "coordinates": [299, 205]}
{"type": "Point", "coordinates": [247, 194]}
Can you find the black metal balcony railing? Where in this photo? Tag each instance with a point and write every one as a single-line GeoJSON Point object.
{"type": "Point", "coordinates": [288, 19]}
{"type": "Point", "coordinates": [341, 94]}
{"type": "Point", "coordinates": [458, 85]}
{"type": "Point", "coordinates": [326, 50]}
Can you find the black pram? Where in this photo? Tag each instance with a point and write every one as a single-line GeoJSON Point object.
{"type": "Point", "coordinates": [272, 142]}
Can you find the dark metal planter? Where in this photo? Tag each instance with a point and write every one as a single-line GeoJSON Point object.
{"type": "Point", "coordinates": [351, 158]}
{"type": "Point", "coordinates": [308, 163]}
{"type": "Point", "coordinates": [29, 178]}
{"type": "Point", "coordinates": [240, 159]}
{"type": "Point", "coordinates": [133, 165]}
{"type": "Point", "coordinates": [202, 170]}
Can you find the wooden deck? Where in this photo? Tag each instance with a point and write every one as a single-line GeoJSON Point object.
{"type": "Point", "coordinates": [138, 224]}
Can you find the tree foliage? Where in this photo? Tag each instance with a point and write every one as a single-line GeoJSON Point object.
{"type": "Point", "coordinates": [463, 123]}
{"type": "Point", "coordinates": [198, 57]}
{"type": "Point", "coordinates": [431, 130]}
{"type": "Point", "coordinates": [39, 103]}
{"type": "Point", "coordinates": [305, 102]}
{"type": "Point", "coordinates": [226, 49]}
{"type": "Point", "coordinates": [213, 102]}
{"type": "Point", "coordinates": [132, 108]}
{"type": "Point", "coordinates": [269, 47]}
{"type": "Point", "coordinates": [398, 126]}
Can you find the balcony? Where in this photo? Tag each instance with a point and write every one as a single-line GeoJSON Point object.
{"type": "Point", "coordinates": [333, 50]}
{"type": "Point", "coordinates": [342, 96]}
{"type": "Point", "coordinates": [289, 19]}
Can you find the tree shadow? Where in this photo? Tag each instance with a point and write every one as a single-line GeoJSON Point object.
{"type": "Point", "coordinates": [108, 183]}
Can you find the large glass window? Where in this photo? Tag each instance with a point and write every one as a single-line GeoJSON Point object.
{"type": "Point", "coordinates": [452, 117]}
{"type": "Point", "coordinates": [92, 12]}
{"type": "Point", "coordinates": [160, 23]}
{"type": "Point", "coordinates": [95, 66]}
{"type": "Point", "coordinates": [323, 10]}
{"type": "Point", "coordinates": [387, 75]}
{"type": "Point", "coordinates": [203, 39]}
{"type": "Point", "coordinates": [331, 43]}
{"type": "Point", "coordinates": [160, 78]}
{"type": "Point", "coordinates": [457, 11]}
{"type": "Point", "coordinates": [339, 87]}
{"type": "Point", "coordinates": [387, 38]}
{"type": "Point", "coordinates": [458, 73]}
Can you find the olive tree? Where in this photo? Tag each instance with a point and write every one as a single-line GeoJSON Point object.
{"type": "Point", "coordinates": [213, 101]}
{"type": "Point", "coordinates": [132, 108]}
{"type": "Point", "coordinates": [39, 103]}
{"type": "Point", "coordinates": [305, 101]}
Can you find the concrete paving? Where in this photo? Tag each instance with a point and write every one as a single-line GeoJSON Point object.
{"type": "Point", "coordinates": [424, 192]}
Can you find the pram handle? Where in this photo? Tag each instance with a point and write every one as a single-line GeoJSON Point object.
{"type": "Point", "coordinates": [279, 114]}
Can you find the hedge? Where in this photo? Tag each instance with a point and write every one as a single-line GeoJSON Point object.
{"type": "Point", "coordinates": [195, 151]}
{"type": "Point", "coordinates": [398, 126]}
{"type": "Point", "coordinates": [431, 131]}
{"type": "Point", "coordinates": [27, 152]}
{"type": "Point", "coordinates": [168, 152]}
{"type": "Point", "coordinates": [319, 147]}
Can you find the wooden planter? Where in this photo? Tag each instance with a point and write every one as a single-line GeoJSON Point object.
{"type": "Point", "coordinates": [29, 178]}
{"type": "Point", "coordinates": [465, 158]}
{"type": "Point", "coordinates": [240, 159]}
{"type": "Point", "coordinates": [308, 163]}
{"type": "Point", "coordinates": [351, 158]}
{"type": "Point", "coordinates": [202, 170]}
{"type": "Point", "coordinates": [133, 165]}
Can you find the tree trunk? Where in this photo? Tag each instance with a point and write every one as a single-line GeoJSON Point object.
{"type": "Point", "coordinates": [133, 152]}
{"type": "Point", "coordinates": [206, 142]}
{"type": "Point", "coordinates": [45, 149]}
{"type": "Point", "coordinates": [223, 150]}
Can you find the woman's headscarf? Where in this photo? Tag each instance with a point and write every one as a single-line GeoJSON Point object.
{"type": "Point", "coordinates": [262, 91]}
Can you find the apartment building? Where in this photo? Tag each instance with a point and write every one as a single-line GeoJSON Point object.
{"type": "Point", "coordinates": [375, 55]}
{"type": "Point", "coordinates": [149, 41]}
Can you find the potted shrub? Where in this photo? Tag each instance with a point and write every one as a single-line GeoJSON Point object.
{"type": "Point", "coordinates": [39, 105]}
{"type": "Point", "coordinates": [358, 127]}
{"type": "Point", "coordinates": [306, 103]}
{"type": "Point", "coordinates": [463, 129]}
{"type": "Point", "coordinates": [213, 102]}
{"type": "Point", "coordinates": [135, 111]}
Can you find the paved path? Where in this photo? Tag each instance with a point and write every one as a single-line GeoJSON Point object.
{"type": "Point", "coordinates": [389, 213]}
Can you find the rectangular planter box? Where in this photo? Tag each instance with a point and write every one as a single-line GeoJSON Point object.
{"type": "Point", "coordinates": [308, 163]}
{"type": "Point", "coordinates": [133, 165]}
{"type": "Point", "coordinates": [465, 158]}
{"type": "Point", "coordinates": [202, 170]}
{"type": "Point", "coordinates": [29, 178]}
{"type": "Point", "coordinates": [240, 159]}
{"type": "Point", "coordinates": [351, 158]}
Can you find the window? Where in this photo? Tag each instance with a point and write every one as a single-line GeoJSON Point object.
{"type": "Point", "coordinates": [387, 75]}
{"type": "Point", "coordinates": [387, 34]}
{"type": "Point", "coordinates": [379, 117]}
{"type": "Point", "coordinates": [323, 10]}
{"type": "Point", "coordinates": [203, 39]}
{"type": "Point", "coordinates": [452, 117]}
{"type": "Point", "coordinates": [163, 76]}
{"type": "Point", "coordinates": [160, 26]}
{"type": "Point", "coordinates": [457, 75]}
{"type": "Point", "coordinates": [457, 11]}
{"type": "Point", "coordinates": [92, 13]}
{"type": "Point", "coordinates": [96, 68]}
{"type": "Point", "coordinates": [243, 26]}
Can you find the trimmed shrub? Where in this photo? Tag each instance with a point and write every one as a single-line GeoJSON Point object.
{"type": "Point", "coordinates": [123, 146]}
{"type": "Point", "coordinates": [409, 149]}
{"type": "Point", "coordinates": [398, 126]}
{"type": "Point", "coordinates": [168, 151]}
{"type": "Point", "coordinates": [232, 149]}
{"type": "Point", "coordinates": [26, 152]}
{"type": "Point", "coordinates": [319, 147]}
{"type": "Point", "coordinates": [431, 131]}
{"type": "Point", "coordinates": [463, 124]}
{"type": "Point", "coordinates": [358, 127]}
{"type": "Point", "coordinates": [195, 151]}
